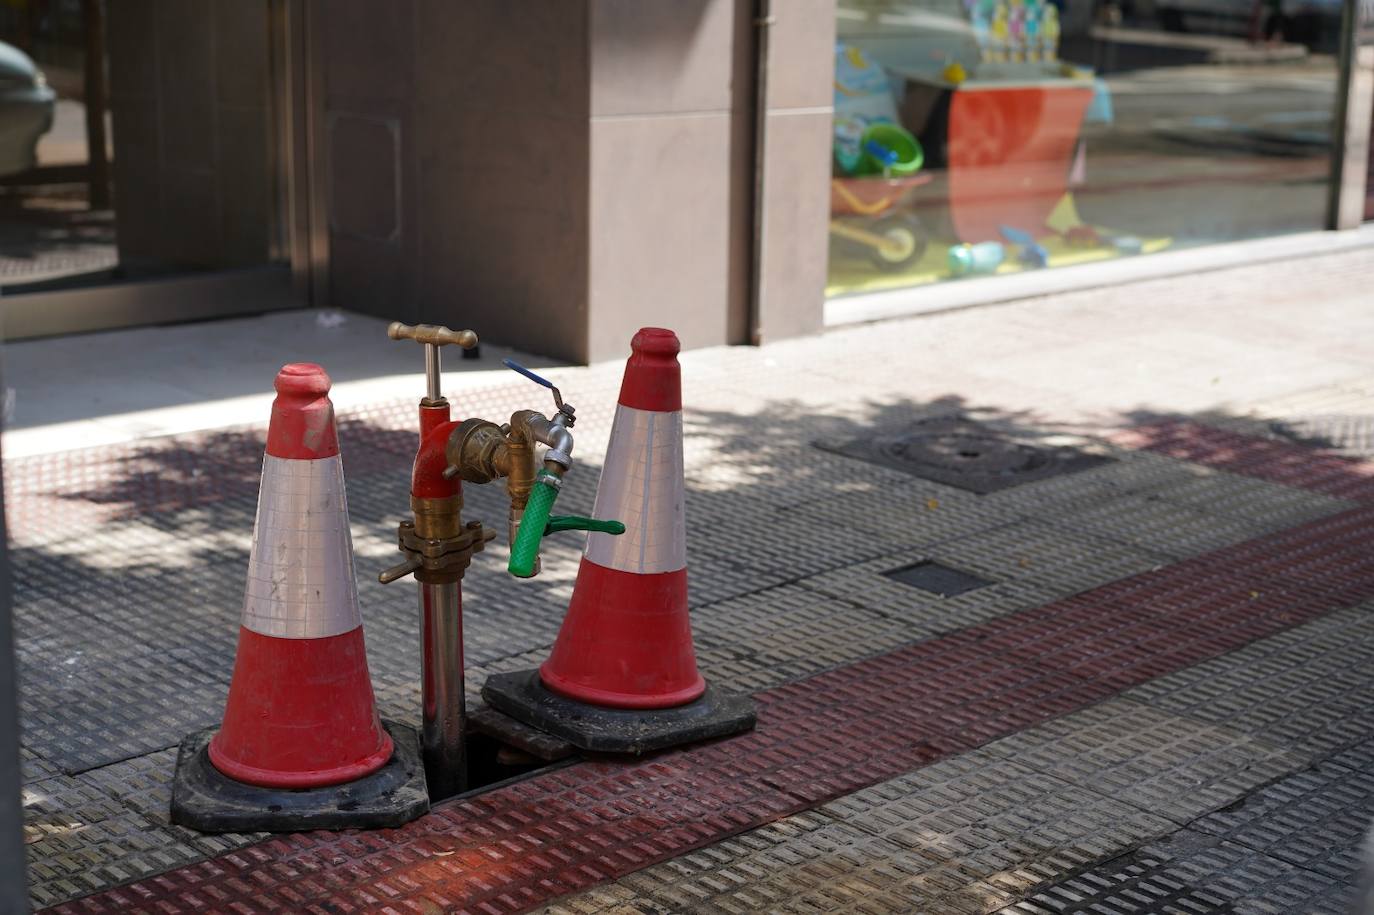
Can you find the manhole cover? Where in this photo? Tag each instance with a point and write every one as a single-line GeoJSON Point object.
{"type": "Point", "coordinates": [937, 579]}
{"type": "Point", "coordinates": [959, 452]}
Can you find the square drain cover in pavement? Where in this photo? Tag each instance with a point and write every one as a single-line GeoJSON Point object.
{"type": "Point", "coordinates": [937, 579]}
{"type": "Point", "coordinates": [957, 451]}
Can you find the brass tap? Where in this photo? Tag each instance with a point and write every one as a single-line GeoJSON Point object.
{"type": "Point", "coordinates": [437, 545]}
{"type": "Point", "coordinates": [479, 451]}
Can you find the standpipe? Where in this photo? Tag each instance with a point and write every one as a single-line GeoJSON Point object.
{"type": "Point", "coordinates": [438, 546]}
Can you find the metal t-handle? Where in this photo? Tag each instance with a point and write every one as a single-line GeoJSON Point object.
{"type": "Point", "coordinates": [432, 336]}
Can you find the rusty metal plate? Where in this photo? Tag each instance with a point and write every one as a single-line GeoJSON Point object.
{"type": "Point", "coordinates": [959, 452]}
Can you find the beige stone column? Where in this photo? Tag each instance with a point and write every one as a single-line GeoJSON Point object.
{"type": "Point", "coordinates": [557, 173]}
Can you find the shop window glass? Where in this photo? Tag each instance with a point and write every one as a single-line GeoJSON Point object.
{"type": "Point", "coordinates": [997, 136]}
{"type": "Point", "coordinates": [137, 141]}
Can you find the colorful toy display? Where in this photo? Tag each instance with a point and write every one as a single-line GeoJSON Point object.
{"type": "Point", "coordinates": [1032, 253]}
{"type": "Point", "coordinates": [1014, 31]}
{"type": "Point", "coordinates": [992, 120]}
{"type": "Point", "coordinates": [877, 166]}
{"type": "Point", "coordinates": [984, 257]}
{"type": "Point", "coordinates": [889, 151]}
{"type": "Point", "coordinates": [863, 96]}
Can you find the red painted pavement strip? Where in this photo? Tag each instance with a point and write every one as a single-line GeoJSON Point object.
{"type": "Point", "coordinates": [525, 844]}
{"type": "Point", "coordinates": [1289, 463]}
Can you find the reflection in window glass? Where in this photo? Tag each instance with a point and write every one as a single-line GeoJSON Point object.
{"type": "Point", "coordinates": [995, 136]}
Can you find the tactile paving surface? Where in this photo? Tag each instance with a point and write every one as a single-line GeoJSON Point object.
{"type": "Point", "coordinates": [1189, 873]}
{"type": "Point", "coordinates": [1171, 766]}
{"type": "Point", "coordinates": [1310, 689]}
{"type": "Point", "coordinates": [130, 565]}
{"type": "Point", "coordinates": [965, 834]}
{"type": "Point", "coordinates": [108, 826]}
{"type": "Point", "coordinates": [818, 739]}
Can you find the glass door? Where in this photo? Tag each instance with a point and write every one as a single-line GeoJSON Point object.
{"type": "Point", "coordinates": [144, 162]}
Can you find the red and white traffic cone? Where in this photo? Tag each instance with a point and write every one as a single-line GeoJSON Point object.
{"type": "Point", "coordinates": [301, 712]}
{"type": "Point", "coordinates": [622, 676]}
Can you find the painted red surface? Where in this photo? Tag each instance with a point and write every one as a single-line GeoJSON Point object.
{"type": "Point", "coordinates": [302, 424]}
{"type": "Point", "coordinates": [1009, 154]}
{"type": "Point", "coordinates": [653, 378]}
{"type": "Point", "coordinates": [522, 845]}
{"type": "Point", "coordinates": [626, 641]}
{"type": "Point", "coordinates": [300, 713]}
{"type": "Point", "coordinates": [431, 460]}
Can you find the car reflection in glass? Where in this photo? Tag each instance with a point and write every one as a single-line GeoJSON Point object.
{"type": "Point", "coordinates": [26, 110]}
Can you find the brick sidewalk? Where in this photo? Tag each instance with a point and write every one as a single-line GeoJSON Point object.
{"type": "Point", "coordinates": [1160, 695]}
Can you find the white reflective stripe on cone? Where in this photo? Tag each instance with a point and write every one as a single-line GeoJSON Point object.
{"type": "Point", "coordinates": [300, 576]}
{"type": "Point", "coordinates": [641, 485]}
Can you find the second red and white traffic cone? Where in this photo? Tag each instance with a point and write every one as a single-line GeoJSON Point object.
{"type": "Point", "coordinates": [622, 676]}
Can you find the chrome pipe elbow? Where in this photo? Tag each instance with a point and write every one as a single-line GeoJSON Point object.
{"type": "Point", "coordinates": [556, 436]}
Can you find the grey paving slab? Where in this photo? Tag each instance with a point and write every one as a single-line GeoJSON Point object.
{"type": "Point", "coordinates": [1316, 819]}
{"type": "Point", "coordinates": [893, 515]}
{"type": "Point", "coordinates": [82, 721]}
{"type": "Point", "coordinates": [777, 546]}
{"type": "Point", "coordinates": [1027, 562]}
{"type": "Point", "coordinates": [1129, 473]}
{"type": "Point", "coordinates": [1191, 873]}
{"type": "Point", "coordinates": [1170, 765]}
{"type": "Point", "coordinates": [1163, 527]}
{"type": "Point", "coordinates": [771, 637]}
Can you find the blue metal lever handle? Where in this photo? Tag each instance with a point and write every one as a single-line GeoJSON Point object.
{"type": "Point", "coordinates": [537, 379]}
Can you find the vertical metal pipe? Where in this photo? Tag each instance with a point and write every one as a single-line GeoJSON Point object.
{"type": "Point", "coordinates": [442, 699]}
{"type": "Point", "coordinates": [432, 370]}
{"type": "Point", "coordinates": [763, 21]}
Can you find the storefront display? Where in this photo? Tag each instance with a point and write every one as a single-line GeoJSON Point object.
{"type": "Point", "coordinates": [1028, 160]}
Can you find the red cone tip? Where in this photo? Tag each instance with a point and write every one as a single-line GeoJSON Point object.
{"type": "Point", "coordinates": [302, 426]}
{"type": "Point", "coordinates": [653, 378]}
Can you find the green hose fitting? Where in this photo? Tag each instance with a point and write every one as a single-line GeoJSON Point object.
{"type": "Point", "coordinates": [579, 523]}
{"type": "Point", "coordinates": [525, 552]}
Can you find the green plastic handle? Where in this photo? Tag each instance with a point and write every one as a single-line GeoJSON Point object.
{"type": "Point", "coordinates": [579, 523]}
{"type": "Point", "coordinates": [525, 553]}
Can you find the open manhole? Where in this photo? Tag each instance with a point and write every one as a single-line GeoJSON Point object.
{"type": "Point", "coordinates": [957, 451]}
{"type": "Point", "coordinates": [501, 750]}
{"type": "Point", "coordinates": [937, 579]}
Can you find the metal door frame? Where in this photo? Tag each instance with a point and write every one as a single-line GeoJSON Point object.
{"type": "Point", "coordinates": [1352, 117]}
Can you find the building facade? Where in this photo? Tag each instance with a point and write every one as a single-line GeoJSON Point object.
{"type": "Point", "coordinates": [557, 173]}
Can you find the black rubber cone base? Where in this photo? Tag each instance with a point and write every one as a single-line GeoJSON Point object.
{"type": "Point", "coordinates": [617, 730]}
{"type": "Point", "coordinates": [206, 799]}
